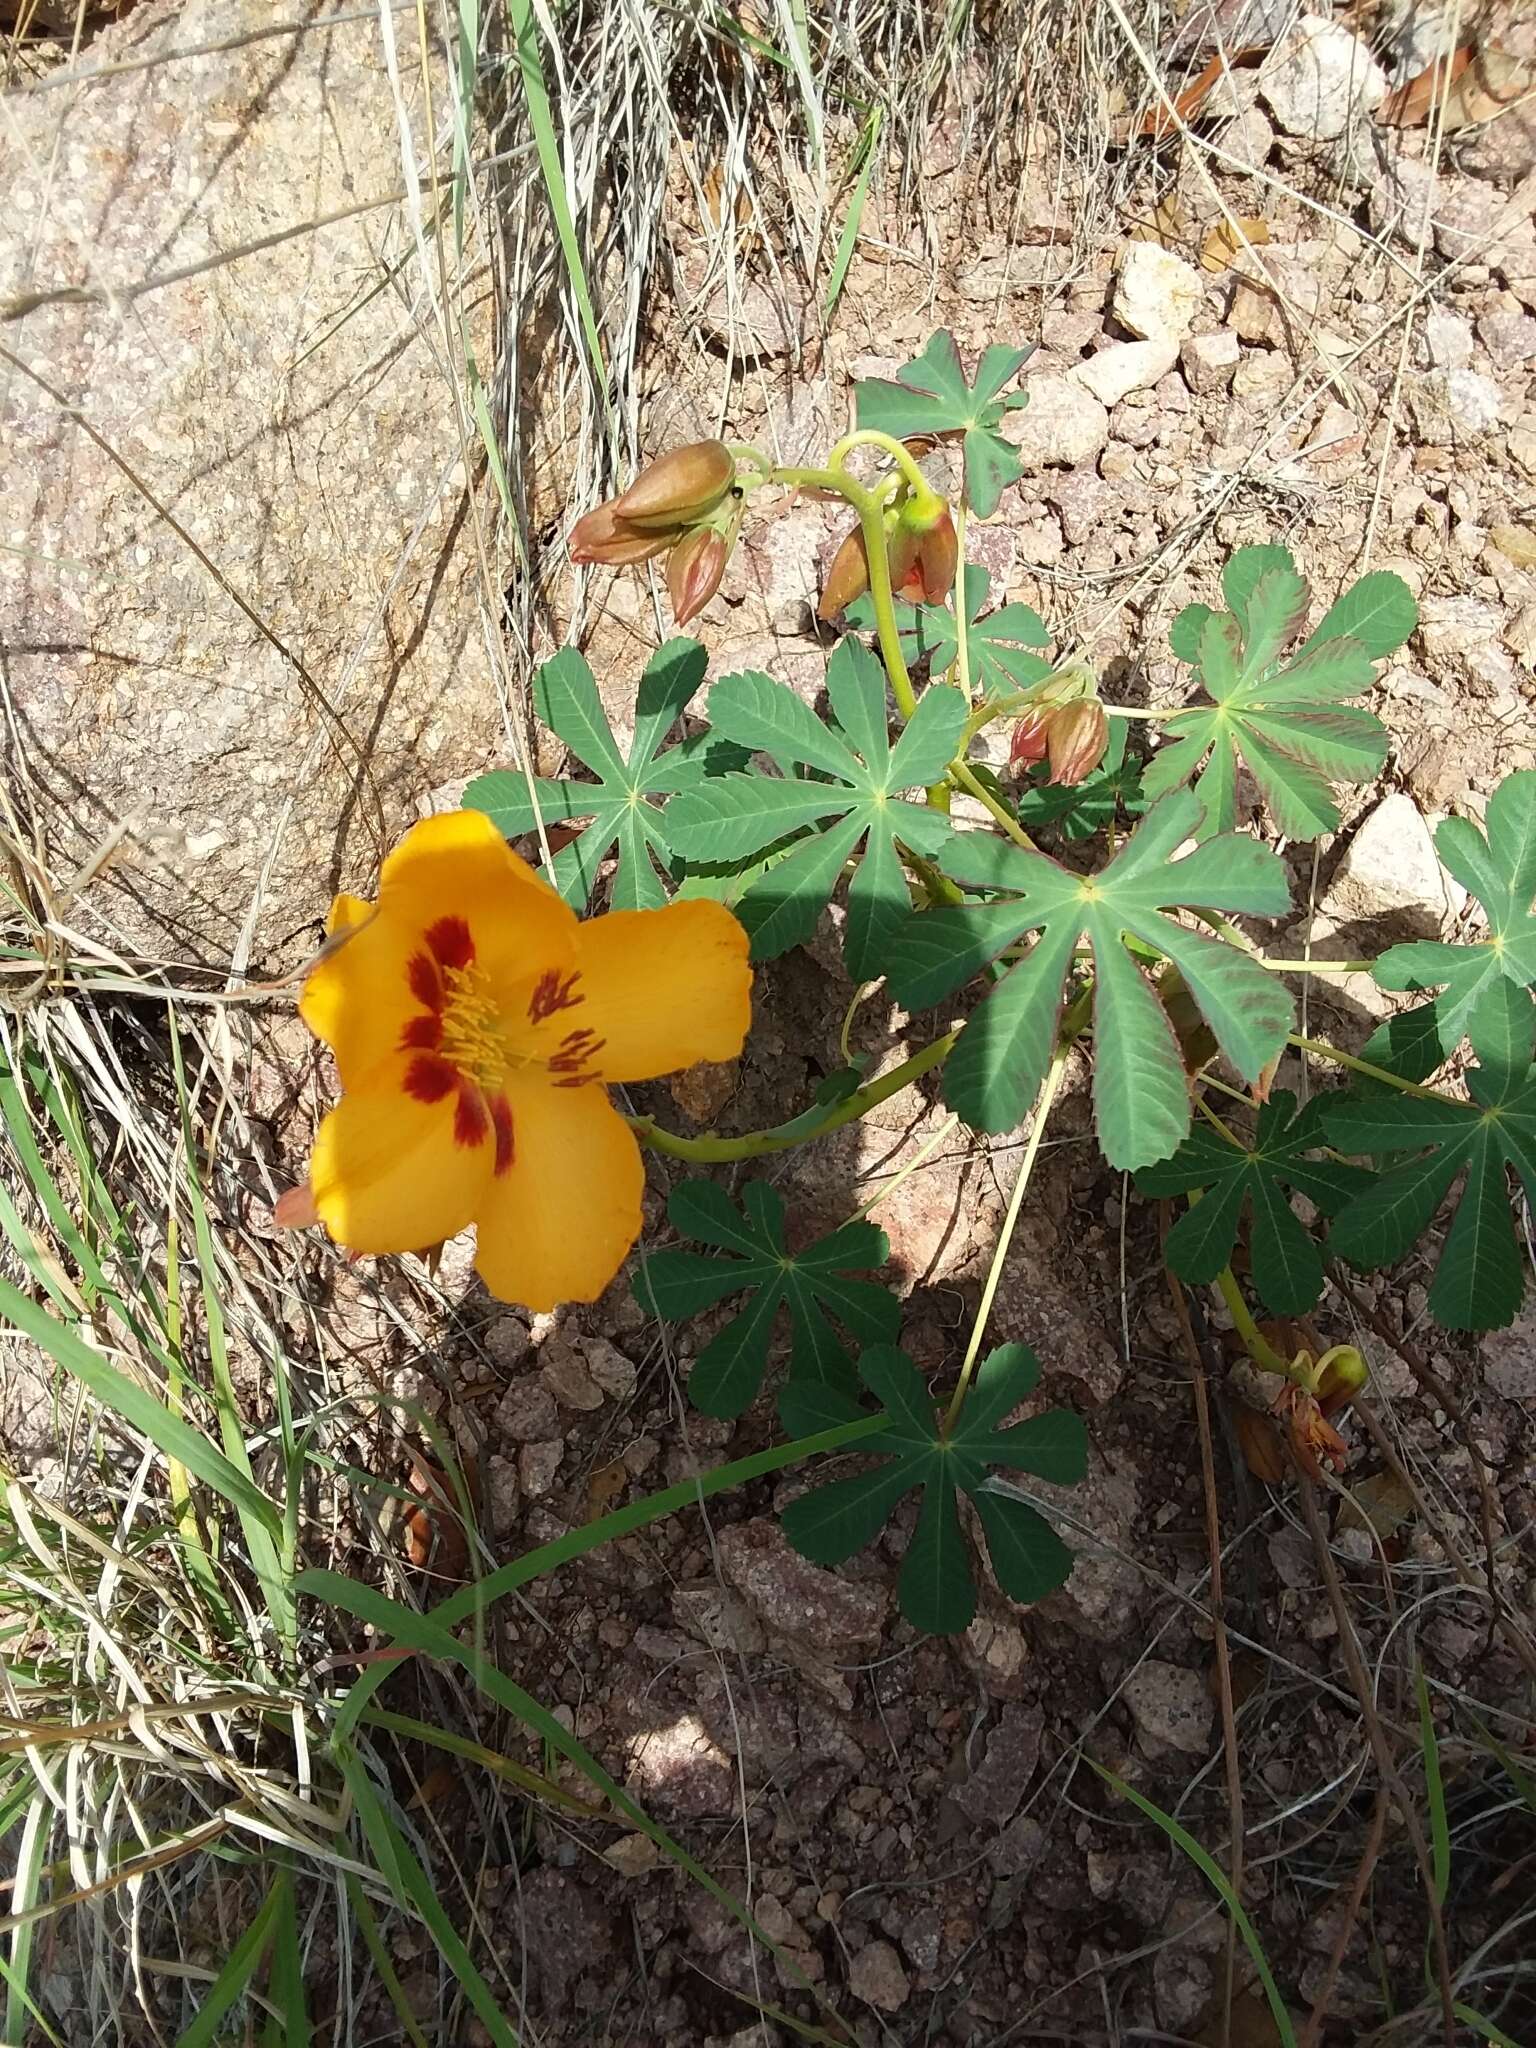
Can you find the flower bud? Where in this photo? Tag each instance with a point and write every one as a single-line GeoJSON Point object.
{"type": "Point", "coordinates": [1030, 735]}
{"type": "Point", "coordinates": [1076, 740]}
{"type": "Point", "coordinates": [848, 577]}
{"type": "Point", "coordinates": [694, 569]}
{"type": "Point", "coordinates": [680, 489]}
{"type": "Point", "coordinates": [1341, 1373]}
{"type": "Point", "coordinates": [931, 576]}
{"type": "Point", "coordinates": [601, 536]}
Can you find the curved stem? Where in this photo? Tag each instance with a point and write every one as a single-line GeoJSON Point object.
{"type": "Point", "coordinates": [1257, 1346]}
{"type": "Point", "coordinates": [872, 525]}
{"type": "Point", "coordinates": [800, 1130]}
{"type": "Point", "coordinates": [1347, 1059]}
{"type": "Point", "coordinates": [871, 437]}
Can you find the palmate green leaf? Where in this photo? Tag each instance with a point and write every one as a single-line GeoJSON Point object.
{"type": "Point", "coordinates": [999, 645]}
{"type": "Point", "coordinates": [848, 799]}
{"type": "Point", "coordinates": [929, 395]}
{"type": "Point", "coordinates": [1500, 871]}
{"type": "Point", "coordinates": [1287, 1265]}
{"type": "Point", "coordinates": [937, 1590]}
{"type": "Point", "coordinates": [625, 803]}
{"type": "Point", "coordinates": [1287, 720]}
{"type": "Point", "coordinates": [1141, 1096]}
{"type": "Point", "coordinates": [1479, 1280]}
{"type": "Point", "coordinates": [812, 1285]}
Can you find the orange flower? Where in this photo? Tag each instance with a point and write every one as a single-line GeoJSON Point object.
{"type": "Point", "coordinates": [476, 1023]}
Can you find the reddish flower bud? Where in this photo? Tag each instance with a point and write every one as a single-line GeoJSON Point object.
{"type": "Point", "coordinates": [694, 569]}
{"type": "Point", "coordinates": [679, 489]}
{"type": "Point", "coordinates": [848, 577]}
{"type": "Point", "coordinates": [601, 536]}
{"type": "Point", "coordinates": [1078, 736]}
{"type": "Point", "coordinates": [1031, 734]}
{"type": "Point", "coordinates": [932, 576]}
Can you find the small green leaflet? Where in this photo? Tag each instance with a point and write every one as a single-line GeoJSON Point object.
{"type": "Point", "coordinates": [851, 802]}
{"type": "Point", "coordinates": [624, 804]}
{"type": "Point", "coordinates": [937, 1589]}
{"type": "Point", "coordinates": [1287, 1265]}
{"type": "Point", "coordinates": [930, 396]}
{"type": "Point", "coordinates": [1479, 1280]}
{"type": "Point", "coordinates": [812, 1284]}
{"type": "Point", "coordinates": [998, 646]}
{"type": "Point", "coordinates": [1500, 871]}
{"type": "Point", "coordinates": [1080, 809]}
{"type": "Point", "coordinates": [1141, 1095]}
{"type": "Point", "coordinates": [1288, 722]}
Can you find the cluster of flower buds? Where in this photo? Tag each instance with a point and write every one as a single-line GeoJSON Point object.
{"type": "Point", "coordinates": [686, 506]}
{"type": "Point", "coordinates": [1064, 724]}
{"type": "Point", "coordinates": [922, 552]}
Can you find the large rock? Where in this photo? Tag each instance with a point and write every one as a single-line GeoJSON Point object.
{"type": "Point", "coordinates": [1061, 426]}
{"type": "Point", "coordinates": [1126, 366]}
{"type": "Point", "coordinates": [1157, 294]}
{"type": "Point", "coordinates": [1319, 77]}
{"type": "Point", "coordinates": [1390, 876]}
{"type": "Point", "coordinates": [291, 412]}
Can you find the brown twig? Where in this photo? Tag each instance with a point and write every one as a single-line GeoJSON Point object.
{"type": "Point", "coordinates": [1350, 1915]}
{"type": "Point", "coordinates": [1234, 1775]}
{"type": "Point", "coordinates": [1376, 1735]}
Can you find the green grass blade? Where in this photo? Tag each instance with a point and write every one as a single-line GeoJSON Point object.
{"type": "Point", "coordinates": [289, 2025]}
{"type": "Point", "coordinates": [866, 153]}
{"type": "Point", "coordinates": [260, 1535]}
{"type": "Point", "coordinates": [1486, 2028]}
{"type": "Point", "coordinates": [1434, 1787]}
{"type": "Point", "coordinates": [1217, 1877]}
{"type": "Point", "coordinates": [416, 1891]}
{"type": "Point", "coordinates": [231, 1982]}
{"type": "Point", "coordinates": [139, 1408]}
{"type": "Point", "coordinates": [525, 35]}
{"type": "Point", "coordinates": [362, 1912]}
{"type": "Point", "coordinates": [29, 1868]}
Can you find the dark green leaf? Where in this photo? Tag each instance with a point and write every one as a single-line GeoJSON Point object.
{"type": "Point", "coordinates": [937, 1589]}
{"type": "Point", "coordinates": [930, 395]}
{"type": "Point", "coordinates": [811, 1285]}
{"type": "Point", "coordinates": [1285, 720]}
{"type": "Point", "coordinates": [625, 803]}
{"type": "Point", "coordinates": [999, 646]}
{"type": "Point", "coordinates": [1500, 870]}
{"type": "Point", "coordinates": [1479, 1280]}
{"type": "Point", "coordinates": [1141, 1095]}
{"type": "Point", "coordinates": [1078, 810]}
{"type": "Point", "coordinates": [858, 805]}
{"type": "Point", "coordinates": [1287, 1265]}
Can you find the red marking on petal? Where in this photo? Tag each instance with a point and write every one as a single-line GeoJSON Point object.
{"type": "Point", "coordinates": [501, 1119]}
{"type": "Point", "coordinates": [296, 1209]}
{"type": "Point", "coordinates": [450, 941]}
{"type": "Point", "coordinates": [429, 1078]}
{"type": "Point", "coordinates": [422, 978]}
{"type": "Point", "coordinates": [424, 1033]}
{"type": "Point", "coordinates": [578, 1080]}
{"type": "Point", "coordinates": [470, 1120]}
{"type": "Point", "coordinates": [552, 992]}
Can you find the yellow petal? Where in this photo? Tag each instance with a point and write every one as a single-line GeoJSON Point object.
{"type": "Point", "coordinates": [664, 989]}
{"type": "Point", "coordinates": [397, 1165]}
{"type": "Point", "coordinates": [357, 997]}
{"type": "Point", "coordinates": [559, 1225]}
{"type": "Point", "coordinates": [457, 865]}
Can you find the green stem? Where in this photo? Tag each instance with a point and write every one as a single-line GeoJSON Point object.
{"type": "Point", "coordinates": [1258, 1347]}
{"type": "Point", "coordinates": [1146, 710]}
{"type": "Point", "coordinates": [962, 607]}
{"type": "Point", "coordinates": [1347, 1059]}
{"type": "Point", "coordinates": [871, 437]}
{"type": "Point", "coordinates": [960, 774]}
{"type": "Point", "coordinates": [870, 507]}
{"type": "Point", "coordinates": [756, 1144]}
{"type": "Point", "coordinates": [1315, 966]}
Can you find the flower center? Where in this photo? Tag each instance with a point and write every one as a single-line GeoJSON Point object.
{"type": "Point", "coordinates": [473, 1032]}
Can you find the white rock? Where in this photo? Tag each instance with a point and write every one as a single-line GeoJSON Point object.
{"type": "Point", "coordinates": [1208, 360]}
{"type": "Point", "coordinates": [1126, 366]}
{"type": "Point", "coordinates": [1447, 339]}
{"type": "Point", "coordinates": [537, 1465]}
{"type": "Point", "coordinates": [1171, 1705]}
{"type": "Point", "coordinates": [1390, 874]}
{"type": "Point", "coordinates": [1156, 292]}
{"type": "Point", "coordinates": [1061, 426]}
{"type": "Point", "coordinates": [1473, 401]}
{"type": "Point", "coordinates": [1319, 77]}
